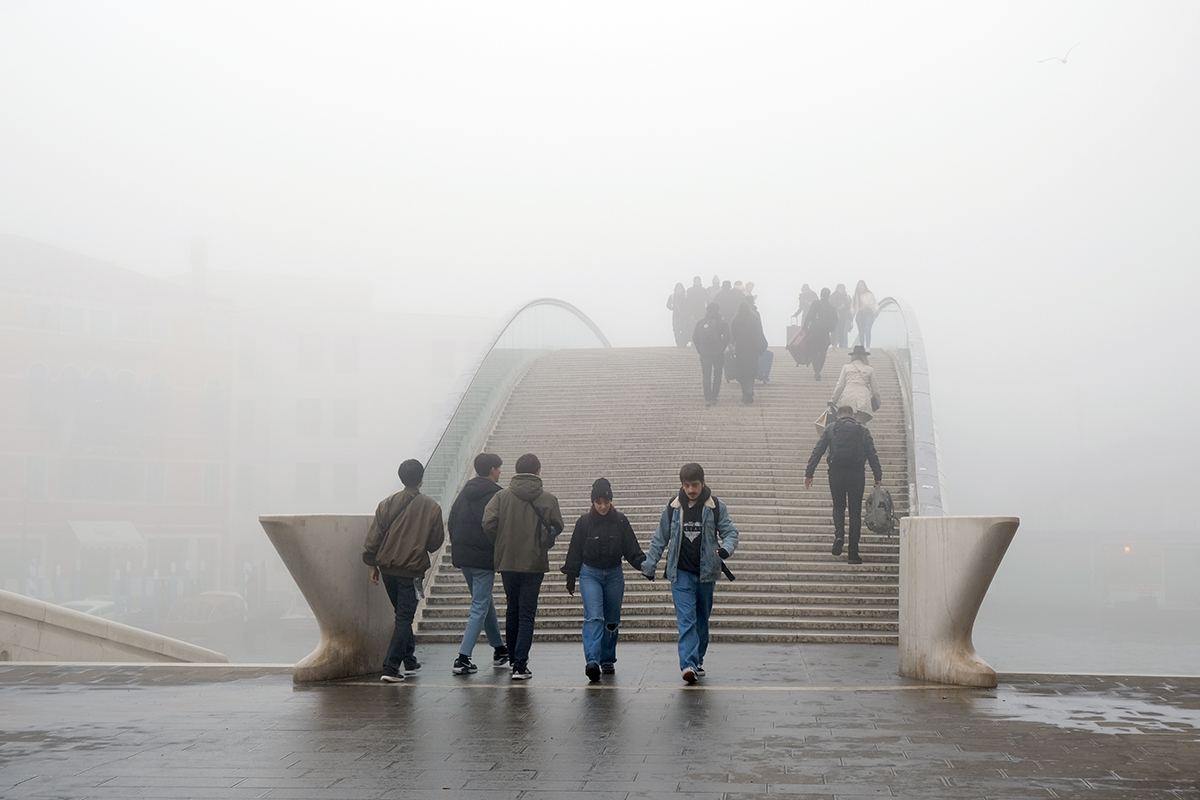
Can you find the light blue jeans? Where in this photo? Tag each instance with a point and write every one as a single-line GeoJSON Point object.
{"type": "Point", "coordinates": [693, 605]}
{"type": "Point", "coordinates": [483, 610]}
{"type": "Point", "coordinates": [601, 591]}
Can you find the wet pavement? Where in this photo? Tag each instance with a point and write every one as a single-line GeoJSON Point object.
{"type": "Point", "coordinates": [818, 721]}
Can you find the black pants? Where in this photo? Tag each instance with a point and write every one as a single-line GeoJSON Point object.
{"type": "Point", "coordinates": [710, 371]}
{"type": "Point", "coordinates": [403, 594]}
{"type": "Point", "coordinates": [818, 356]}
{"type": "Point", "coordinates": [521, 590]}
{"type": "Point", "coordinates": [846, 486]}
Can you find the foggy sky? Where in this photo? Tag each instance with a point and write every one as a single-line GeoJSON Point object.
{"type": "Point", "coordinates": [1040, 217]}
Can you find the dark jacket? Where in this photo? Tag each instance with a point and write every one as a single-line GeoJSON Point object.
{"type": "Point", "coordinates": [469, 546]}
{"type": "Point", "coordinates": [600, 541]}
{"type": "Point", "coordinates": [719, 335]}
{"type": "Point", "coordinates": [821, 317]}
{"type": "Point", "coordinates": [749, 342]}
{"type": "Point", "coordinates": [403, 534]}
{"type": "Point", "coordinates": [838, 429]}
{"type": "Point", "coordinates": [511, 524]}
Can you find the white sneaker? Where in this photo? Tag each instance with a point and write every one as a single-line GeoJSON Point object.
{"type": "Point", "coordinates": [391, 678]}
{"type": "Point", "coordinates": [689, 675]}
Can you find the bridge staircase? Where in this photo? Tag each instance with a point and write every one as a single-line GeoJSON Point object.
{"type": "Point", "coordinates": [635, 416]}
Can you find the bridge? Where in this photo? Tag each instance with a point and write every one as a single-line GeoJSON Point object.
{"type": "Point", "coordinates": [549, 383]}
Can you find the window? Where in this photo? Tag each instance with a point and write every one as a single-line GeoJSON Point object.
{"type": "Point", "coordinates": [129, 325]}
{"type": "Point", "coordinates": [98, 406]}
{"type": "Point", "coordinates": [40, 316]}
{"type": "Point", "coordinates": [345, 355]}
{"type": "Point", "coordinates": [245, 488]}
{"type": "Point", "coordinates": [345, 483]}
{"type": "Point", "coordinates": [345, 418]}
{"type": "Point", "coordinates": [308, 352]}
{"type": "Point", "coordinates": [216, 407]}
{"type": "Point", "coordinates": [308, 416]}
{"type": "Point", "coordinates": [35, 477]}
{"type": "Point", "coordinates": [128, 480]}
{"type": "Point", "coordinates": [212, 483]}
{"type": "Point", "coordinates": [155, 481]}
{"type": "Point", "coordinates": [127, 407]}
{"type": "Point", "coordinates": [245, 421]}
{"type": "Point", "coordinates": [247, 356]}
{"type": "Point", "coordinates": [102, 323]}
{"type": "Point", "coordinates": [308, 483]}
{"type": "Point", "coordinates": [158, 402]}
{"type": "Point", "coordinates": [39, 395]}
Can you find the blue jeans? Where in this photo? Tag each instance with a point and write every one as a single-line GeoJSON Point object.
{"type": "Point", "coordinates": [693, 604]}
{"type": "Point", "coordinates": [521, 589]}
{"type": "Point", "coordinates": [403, 594]}
{"type": "Point", "coordinates": [601, 591]}
{"type": "Point", "coordinates": [483, 610]}
{"type": "Point", "coordinates": [864, 321]}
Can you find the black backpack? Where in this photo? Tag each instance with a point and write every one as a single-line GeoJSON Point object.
{"type": "Point", "coordinates": [848, 443]}
{"type": "Point", "coordinates": [708, 335]}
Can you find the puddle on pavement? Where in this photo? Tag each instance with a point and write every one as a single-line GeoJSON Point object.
{"type": "Point", "coordinates": [1091, 711]}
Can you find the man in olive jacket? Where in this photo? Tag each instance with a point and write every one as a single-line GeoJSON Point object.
{"type": "Point", "coordinates": [406, 529]}
{"type": "Point", "coordinates": [514, 520]}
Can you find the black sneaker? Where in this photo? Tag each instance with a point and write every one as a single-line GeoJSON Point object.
{"type": "Point", "coordinates": [837, 546]}
{"type": "Point", "coordinates": [853, 558]}
{"type": "Point", "coordinates": [411, 667]}
{"type": "Point", "coordinates": [592, 670]}
{"type": "Point", "coordinates": [700, 673]}
{"type": "Point", "coordinates": [608, 669]}
{"type": "Point", "coordinates": [463, 665]}
{"type": "Point", "coordinates": [521, 674]}
{"type": "Point", "coordinates": [500, 657]}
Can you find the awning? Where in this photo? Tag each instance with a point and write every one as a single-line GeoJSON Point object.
{"type": "Point", "coordinates": [106, 534]}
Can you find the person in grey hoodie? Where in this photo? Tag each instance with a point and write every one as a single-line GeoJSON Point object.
{"type": "Point", "coordinates": [472, 553]}
{"type": "Point", "coordinates": [522, 522]}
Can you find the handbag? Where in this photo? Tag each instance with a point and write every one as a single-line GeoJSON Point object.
{"type": "Point", "coordinates": [875, 402]}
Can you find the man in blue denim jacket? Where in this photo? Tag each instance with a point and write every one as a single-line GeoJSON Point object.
{"type": "Point", "coordinates": [697, 534]}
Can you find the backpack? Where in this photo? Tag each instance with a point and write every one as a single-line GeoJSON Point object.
{"type": "Point", "coordinates": [708, 335]}
{"type": "Point", "coordinates": [848, 444]}
{"type": "Point", "coordinates": [879, 516]}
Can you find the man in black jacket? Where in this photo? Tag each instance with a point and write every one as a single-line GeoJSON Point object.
{"type": "Point", "coordinates": [819, 322]}
{"type": "Point", "coordinates": [472, 552]}
{"type": "Point", "coordinates": [850, 447]}
{"type": "Point", "coordinates": [710, 338]}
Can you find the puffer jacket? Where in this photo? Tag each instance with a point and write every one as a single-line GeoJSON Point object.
{"type": "Point", "coordinates": [399, 542]}
{"type": "Point", "coordinates": [469, 547]}
{"type": "Point", "coordinates": [717, 532]}
{"type": "Point", "coordinates": [601, 541]}
{"type": "Point", "coordinates": [511, 524]}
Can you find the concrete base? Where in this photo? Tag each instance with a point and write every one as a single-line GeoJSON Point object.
{"type": "Point", "coordinates": [324, 554]}
{"type": "Point", "coordinates": [34, 630]}
{"type": "Point", "coordinates": [946, 566]}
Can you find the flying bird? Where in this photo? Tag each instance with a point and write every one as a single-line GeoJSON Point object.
{"type": "Point", "coordinates": [1064, 58]}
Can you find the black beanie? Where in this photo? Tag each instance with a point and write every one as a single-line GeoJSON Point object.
{"type": "Point", "coordinates": [601, 488]}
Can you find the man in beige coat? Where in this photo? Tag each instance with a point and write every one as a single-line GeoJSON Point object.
{"type": "Point", "coordinates": [406, 529]}
{"type": "Point", "coordinates": [522, 522]}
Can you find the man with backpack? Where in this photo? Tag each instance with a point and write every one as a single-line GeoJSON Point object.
{"type": "Point", "coordinates": [697, 535]}
{"type": "Point", "coordinates": [522, 522]}
{"type": "Point", "coordinates": [850, 447]}
{"type": "Point", "coordinates": [710, 338]}
{"type": "Point", "coordinates": [406, 529]}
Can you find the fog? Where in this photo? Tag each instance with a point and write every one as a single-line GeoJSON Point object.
{"type": "Point", "coordinates": [459, 159]}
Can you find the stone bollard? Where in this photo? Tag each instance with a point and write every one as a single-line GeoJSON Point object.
{"type": "Point", "coordinates": [324, 554]}
{"type": "Point", "coordinates": [946, 566]}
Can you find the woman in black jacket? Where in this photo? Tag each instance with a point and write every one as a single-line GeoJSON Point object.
{"type": "Point", "coordinates": [749, 342]}
{"type": "Point", "coordinates": [602, 537]}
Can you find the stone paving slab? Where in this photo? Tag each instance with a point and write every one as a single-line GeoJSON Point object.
{"type": "Point", "coordinates": [810, 721]}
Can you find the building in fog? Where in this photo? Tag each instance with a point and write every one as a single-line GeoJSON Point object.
{"type": "Point", "coordinates": [148, 422]}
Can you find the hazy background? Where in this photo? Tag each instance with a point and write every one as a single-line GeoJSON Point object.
{"type": "Point", "coordinates": [1041, 218]}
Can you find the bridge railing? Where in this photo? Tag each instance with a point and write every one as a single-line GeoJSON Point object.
{"type": "Point", "coordinates": [896, 329]}
{"type": "Point", "coordinates": [470, 411]}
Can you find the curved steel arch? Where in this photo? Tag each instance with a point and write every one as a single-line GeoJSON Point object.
{"type": "Point", "coordinates": [926, 461]}
{"type": "Point", "coordinates": [458, 394]}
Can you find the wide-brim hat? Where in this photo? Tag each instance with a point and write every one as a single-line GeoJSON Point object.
{"type": "Point", "coordinates": [859, 350]}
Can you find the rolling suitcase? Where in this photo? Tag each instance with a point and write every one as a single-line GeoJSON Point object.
{"type": "Point", "coordinates": [764, 365]}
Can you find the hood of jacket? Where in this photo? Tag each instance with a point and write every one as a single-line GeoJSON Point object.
{"type": "Point", "coordinates": [525, 486]}
{"type": "Point", "coordinates": [479, 488]}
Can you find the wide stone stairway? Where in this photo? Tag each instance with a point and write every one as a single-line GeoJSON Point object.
{"type": "Point", "coordinates": [635, 416]}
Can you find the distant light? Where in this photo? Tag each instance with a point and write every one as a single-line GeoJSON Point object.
{"type": "Point", "coordinates": [1126, 549]}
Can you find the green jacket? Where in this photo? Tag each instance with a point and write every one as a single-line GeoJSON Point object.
{"type": "Point", "coordinates": [399, 542]}
{"type": "Point", "coordinates": [511, 524]}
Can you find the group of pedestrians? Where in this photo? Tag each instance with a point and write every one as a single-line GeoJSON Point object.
{"type": "Point", "coordinates": [690, 306]}
{"type": "Point", "coordinates": [512, 530]}
{"type": "Point", "coordinates": [827, 319]}
{"type": "Point", "coordinates": [730, 331]}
